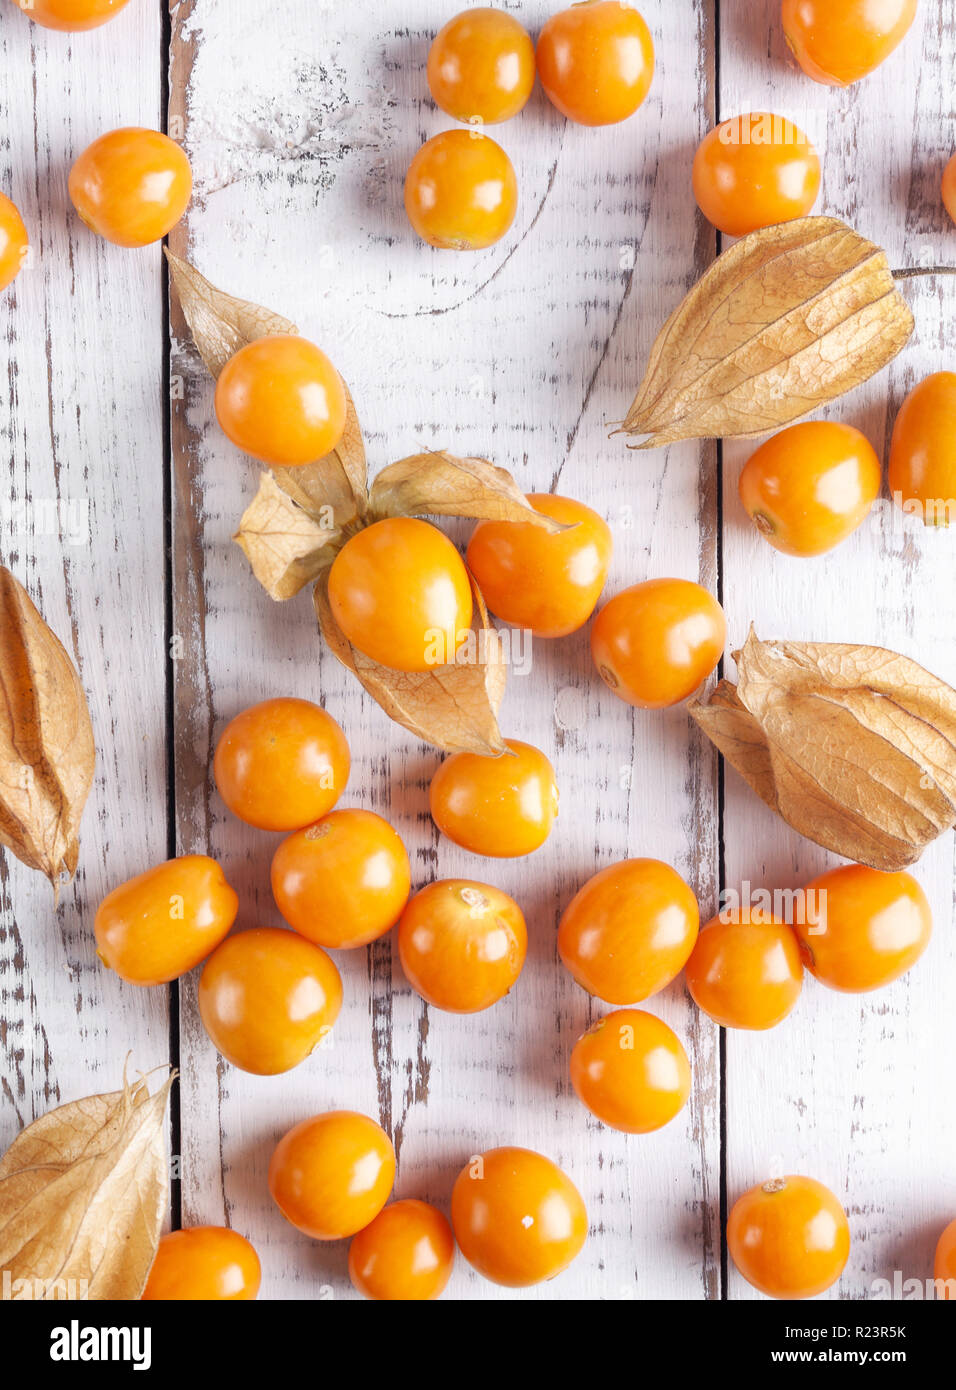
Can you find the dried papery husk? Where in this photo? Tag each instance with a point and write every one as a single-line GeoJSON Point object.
{"type": "Point", "coordinates": [47, 754]}
{"type": "Point", "coordinates": [439, 484]}
{"type": "Point", "coordinates": [220, 323]}
{"type": "Point", "coordinates": [453, 707]}
{"type": "Point", "coordinates": [789, 318]}
{"type": "Point", "coordinates": [854, 746]}
{"type": "Point", "coordinates": [83, 1193]}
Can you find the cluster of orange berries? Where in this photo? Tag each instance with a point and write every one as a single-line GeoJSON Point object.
{"type": "Point", "coordinates": [595, 62]}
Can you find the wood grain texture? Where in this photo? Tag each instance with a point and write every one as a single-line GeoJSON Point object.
{"type": "Point", "coordinates": [300, 133]}
{"type": "Point", "coordinates": [81, 353]}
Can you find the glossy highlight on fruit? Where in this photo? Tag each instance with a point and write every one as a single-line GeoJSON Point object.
{"type": "Point", "coordinates": [837, 42]}
{"type": "Point", "coordinates": [481, 66]}
{"type": "Point", "coordinates": [629, 931]}
{"type": "Point", "coordinates": [746, 970]}
{"type": "Point", "coordinates": [71, 16]}
{"type": "Point", "coordinates": [406, 1254]}
{"type": "Point", "coordinates": [631, 1071]}
{"type": "Point", "coordinates": [13, 241]}
{"type": "Point", "coordinates": [755, 171]}
{"type": "Point", "coordinates": [922, 471]}
{"type": "Point", "coordinates": [331, 1175]}
{"type": "Point", "coordinates": [203, 1263]}
{"type": "Point", "coordinates": [400, 592]}
{"type": "Point", "coordinates": [131, 186]}
{"type": "Point", "coordinates": [811, 486]}
{"type": "Point", "coordinates": [268, 998]}
{"type": "Point", "coordinates": [863, 928]}
{"type": "Point", "coordinates": [344, 881]}
{"type": "Point", "coordinates": [155, 927]}
{"type": "Point", "coordinates": [546, 583]}
{"type": "Point", "coordinates": [281, 764]}
{"type": "Point", "coordinates": [655, 643]}
{"type": "Point", "coordinates": [596, 61]}
{"type": "Point", "coordinates": [280, 399]}
{"type": "Point", "coordinates": [462, 944]}
{"type": "Point", "coordinates": [500, 807]}
{"type": "Point", "coordinates": [461, 191]}
{"type": "Point", "coordinates": [518, 1218]}
{"type": "Point", "coordinates": [789, 1238]}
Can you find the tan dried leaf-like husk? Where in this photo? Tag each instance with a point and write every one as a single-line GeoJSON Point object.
{"type": "Point", "coordinates": [789, 318]}
{"type": "Point", "coordinates": [854, 746]}
{"type": "Point", "coordinates": [83, 1191]}
{"type": "Point", "coordinates": [453, 707]}
{"type": "Point", "coordinates": [286, 545]}
{"type": "Point", "coordinates": [46, 740]}
{"type": "Point", "coordinates": [439, 484]}
{"type": "Point", "coordinates": [339, 480]}
{"type": "Point", "coordinates": [220, 323]}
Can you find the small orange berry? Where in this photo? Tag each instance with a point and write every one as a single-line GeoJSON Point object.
{"type": "Point", "coordinates": [461, 193]}
{"type": "Point", "coordinates": [71, 15]}
{"type": "Point", "coordinates": [331, 1175]}
{"type": "Point", "coordinates": [837, 42]}
{"type": "Point", "coordinates": [500, 807]}
{"type": "Point", "coordinates": [631, 1071]}
{"type": "Point", "coordinates": [949, 187]}
{"type": "Point", "coordinates": [131, 186]}
{"type": "Point", "coordinates": [746, 971]}
{"type": "Point", "coordinates": [811, 486]}
{"type": "Point", "coordinates": [462, 944]}
{"type": "Point", "coordinates": [789, 1238]}
{"type": "Point", "coordinates": [655, 643]}
{"type": "Point", "coordinates": [203, 1263]}
{"type": "Point", "coordinates": [548, 583]}
{"type": "Point", "coordinates": [481, 66]}
{"type": "Point", "coordinates": [281, 764]}
{"type": "Point", "coordinates": [405, 1255]}
{"type": "Point", "coordinates": [596, 61]}
{"type": "Point", "coordinates": [944, 1265]}
{"type": "Point", "coordinates": [267, 998]}
{"type": "Point", "coordinates": [517, 1217]}
{"type": "Point", "coordinates": [13, 242]}
{"type": "Point", "coordinates": [922, 471]}
{"type": "Point", "coordinates": [755, 171]}
{"type": "Point", "coordinates": [280, 399]}
{"type": "Point", "coordinates": [863, 928]}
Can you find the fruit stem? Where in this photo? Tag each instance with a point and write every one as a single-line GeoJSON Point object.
{"type": "Point", "coordinates": [919, 271]}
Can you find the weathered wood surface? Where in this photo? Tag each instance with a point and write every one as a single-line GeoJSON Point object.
{"type": "Point", "coordinates": [299, 135]}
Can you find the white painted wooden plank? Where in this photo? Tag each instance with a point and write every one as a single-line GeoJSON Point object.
{"type": "Point", "coordinates": [81, 352]}
{"type": "Point", "coordinates": [300, 138]}
{"type": "Point", "coordinates": [851, 1089]}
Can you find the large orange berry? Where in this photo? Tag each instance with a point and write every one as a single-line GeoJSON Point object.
{"type": "Point", "coordinates": [344, 881]}
{"type": "Point", "coordinates": [629, 931]}
{"type": "Point", "coordinates": [811, 486]}
{"type": "Point", "coordinates": [13, 241]}
{"type": "Point", "coordinates": [155, 927]}
{"type": "Point", "coordinates": [400, 592]}
{"type": "Point", "coordinates": [745, 970]}
{"type": "Point", "coordinates": [949, 187]}
{"type": "Point", "coordinates": [461, 192]}
{"type": "Point", "coordinates": [405, 1255]}
{"type": "Point", "coordinates": [501, 807]}
{"type": "Point", "coordinates": [631, 1071]}
{"type": "Point", "coordinates": [922, 472]}
{"type": "Point", "coordinates": [596, 61]}
{"type": "Point", "coordinates": [481, 66]}
{"type": "Point", "coordinates": [837, 42]}
{"type": "Point", "coordinates": [203, 1263]}
{"type": "Point", "coordinates": [944, 1265]}
{"type": "Point", "coordinates": [755, 171]}
{"type": "Point", "coordinates": [863, 928]}
{"type": "Point", "coordinates": [331, 1175]}
{"type": "Point", "coordinates": [517, 1217]}
{"type": "Point", "coordinates": [548, 583]}
{"type": "Point", "coordinates": [789, 1237]}
{"type": "Point", "coordinates": [131, 186]}
{"type": "Point", "coordinates": [280, 399]}
{"type": "Point", "coordinates": [267, 998]}
{"type": "Point", "coordinates": [71, 15]}
{"type": "Point", "coordinates": [281, 764]}
{"type": "Point", "coordinates": [462, 944]}
{"type": "Point", "coordinates": [655, 643]}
